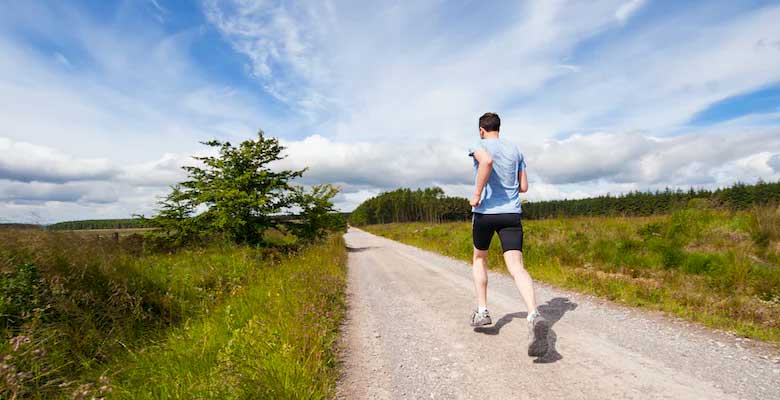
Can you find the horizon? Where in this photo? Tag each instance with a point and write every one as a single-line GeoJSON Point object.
{"type": "Point", "coordinates": [105, 103]}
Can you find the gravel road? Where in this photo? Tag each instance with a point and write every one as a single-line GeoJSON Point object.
{"type": "Point", "coordinates": [407, 337]}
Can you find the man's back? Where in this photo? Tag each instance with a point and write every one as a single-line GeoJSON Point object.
{"type": "Point", "coordinates": [501, 194]}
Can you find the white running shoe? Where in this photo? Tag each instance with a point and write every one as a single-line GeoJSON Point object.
{"type": "Point", "coordinates": [480, 318]}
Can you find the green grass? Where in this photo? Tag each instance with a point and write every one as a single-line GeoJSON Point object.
{"type": "Point", "coordinates": [273, 338]}
{"type": "Point", "coordinates": [718, 268]}
{"type": "Point", "coordinates": [84, 317]}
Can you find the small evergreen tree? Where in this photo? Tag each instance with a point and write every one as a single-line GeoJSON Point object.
{"type": "Point", "coordinates": [238, 196]}
{"type": "Point", "coordinates": [175, 219]}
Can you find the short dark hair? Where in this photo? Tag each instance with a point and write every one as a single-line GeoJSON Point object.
{"type": "Point", "coordinates": [490, 122]}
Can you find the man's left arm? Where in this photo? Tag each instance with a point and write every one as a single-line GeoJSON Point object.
{"type": "Point", "coordinates": [521, 175]}
{"type": "Point", "coordinates": [523, 182]}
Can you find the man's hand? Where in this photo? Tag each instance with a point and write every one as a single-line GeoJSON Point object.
{"type": "Point", "coordinates": [475, 200]}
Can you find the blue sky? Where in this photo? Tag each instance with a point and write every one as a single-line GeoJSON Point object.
{"type": "Point", "coordinates": [104, 101]}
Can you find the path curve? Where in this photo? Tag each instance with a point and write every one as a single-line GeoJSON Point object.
{"type": "Point", "coordinates": [407, 337]}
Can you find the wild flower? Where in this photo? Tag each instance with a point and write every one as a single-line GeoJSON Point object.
{"type": "Point", "coordinates": [18, 341]}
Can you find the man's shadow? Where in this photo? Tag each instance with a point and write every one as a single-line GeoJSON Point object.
{"type": "Point", "coordinates": [552, 311]}
{"type": "Point", "coordinates": [358, 249]}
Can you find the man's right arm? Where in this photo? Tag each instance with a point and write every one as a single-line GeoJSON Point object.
{"type": "Point", "coordinates": [483, 173]}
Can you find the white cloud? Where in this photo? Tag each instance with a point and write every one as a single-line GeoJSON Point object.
{"type": "Point", "coordinates": [383, 74]}
{"type": "Point", "coordinates": [69, 192]}
{"type": "Point", "coordinates": [629, 8]}
{"type": "Point", "coordinates": [62, 59]}
{"type": "Point", "coordinates": [143, 96]}
{"type": "Point", "coordinates": [20, 161]}
{"type": "Point", "coordinates": [380, 164]}
{"type": "Point", "coordinates": [33, 176]}
{"type": "Point", "coordinates": [774, 162]}
{"type": "Point", "coordinates": [281, 51]}
{"type": "Point", "coordinates": [749, 168]}
{"type": "Point", "coordinates": [658, 78]}
{"type": "Point", "coordinates": [579, 166]}
{"type": "Point", "coordinates": [691, 159]}
{"type": "Point", "coordinates": [165, 171]}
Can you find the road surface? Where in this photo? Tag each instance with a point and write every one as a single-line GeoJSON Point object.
{"type": "Point", "coordinates": [407, 337]}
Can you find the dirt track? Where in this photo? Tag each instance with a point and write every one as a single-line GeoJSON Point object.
{"type": "Point", "coordinates": [407, 336]}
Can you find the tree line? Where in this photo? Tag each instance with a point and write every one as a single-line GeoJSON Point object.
{"type": "Point", "coordinates": [431, 205]}
{"type": "Point", "coordinates": [122, 223]}
{"type": "Point", "coordinates": [406, 205]}
{"type": "Point", "coordinates": [739, 196]}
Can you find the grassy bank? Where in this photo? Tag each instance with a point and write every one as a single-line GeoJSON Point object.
{"type": "Point", "coordinates": [84, 317]}
{"type": "Point", "coordinates": [718, 268]}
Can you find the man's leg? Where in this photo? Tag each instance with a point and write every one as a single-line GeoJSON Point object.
{"type": "Point", "coordinates": [481, 233]}
{"type": "Point", "coordinates": [480, 276]}
{"type": "Point", "coordinates": [514, 263]}
{"type": "Point", "coordinates": [538, 328]}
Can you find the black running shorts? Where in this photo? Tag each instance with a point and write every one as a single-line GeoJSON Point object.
{"type": "Point", "coordinates": [508, 226]}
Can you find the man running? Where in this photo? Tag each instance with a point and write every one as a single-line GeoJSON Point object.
{"type": "Point", "coordinates": [500, 178]}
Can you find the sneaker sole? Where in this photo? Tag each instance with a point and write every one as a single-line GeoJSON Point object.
{"type": "Point", "coordinates": [540, 345]}
{"type": "Point", "coordinates": [478, 325]}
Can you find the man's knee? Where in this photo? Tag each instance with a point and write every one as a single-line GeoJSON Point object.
{"type": "Point", "coordinates": [480, 254]}
{"type": "Point", "coordinates": [514, 261]}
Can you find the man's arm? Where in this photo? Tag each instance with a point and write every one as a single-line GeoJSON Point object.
{"type": "Point", "coordinates": [523, 181]}
{"type": "Point", "coordinates": [483, 173]}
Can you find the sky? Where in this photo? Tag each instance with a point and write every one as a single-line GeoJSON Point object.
{"type": "Point", "coordinates": [103, 102]}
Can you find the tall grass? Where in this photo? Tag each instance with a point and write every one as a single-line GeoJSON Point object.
{"type": "Point", "coordinates": [74, 311]}
{"type": "Point", "coordinates": [272, 339]}
{"type": "Point", "coordinates": [715, 267]}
